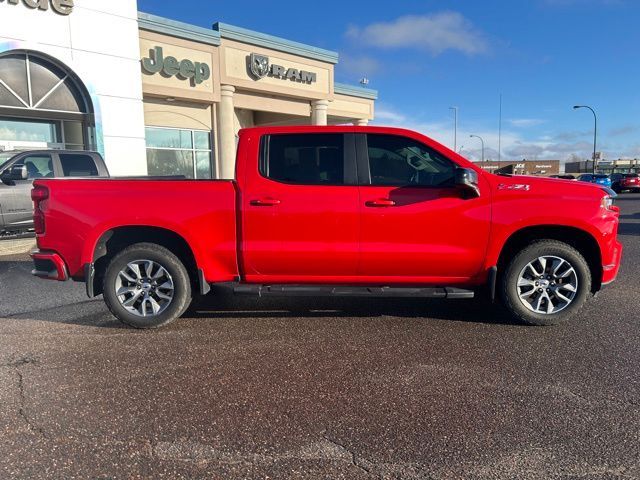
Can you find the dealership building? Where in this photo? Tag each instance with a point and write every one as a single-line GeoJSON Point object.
{"type": "Point", "coordinates": [153, 95]}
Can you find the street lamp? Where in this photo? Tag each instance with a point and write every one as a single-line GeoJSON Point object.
{"type": "Point", "coordinates": [478, 136]}
{"type": "Point", "coordinates": [595, 131]}
{"type": "Point", "coordinates": [455, 128]}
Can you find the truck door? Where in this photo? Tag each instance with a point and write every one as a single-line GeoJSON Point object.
{"type": "Point", "coordinates": [17, 207]}
{"type": "Point", "coordinates": [300, 210]}
{"type": "Point", "coordinates": [416, 226]}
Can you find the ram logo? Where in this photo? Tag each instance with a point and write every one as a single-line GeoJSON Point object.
{"type": "Point", "coordinates": [259, 65]}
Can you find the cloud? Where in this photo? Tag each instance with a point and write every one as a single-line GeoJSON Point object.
{"type": "Point", "coordinates": [625, 130]}
{"type": "Point", "coordinates": [387, 115]}
{"type": "Point", "coordinates": [358, 65]}
{"type": "Point", "coordinates": [525, 122]}
{"type": "Point", "coordinates": [524, 150]}
{"type": "Point", "coordinates": [514, 146]}
{"type": "Point", "coordinates": [435, 33]}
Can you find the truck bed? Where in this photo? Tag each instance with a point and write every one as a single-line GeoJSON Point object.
{"type": "Point", "coordinates": [202, 212]}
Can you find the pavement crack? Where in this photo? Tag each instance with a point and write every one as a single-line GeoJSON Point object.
{"type": "Point", "coordinates": [354, 458]}
{"type": "Point", "coordinates": [22, 397]}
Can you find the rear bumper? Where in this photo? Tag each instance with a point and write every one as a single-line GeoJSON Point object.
{"type": "Point", "coordinates": [49, 265]}
{"type": "Point", "coordinates": [610, 270]}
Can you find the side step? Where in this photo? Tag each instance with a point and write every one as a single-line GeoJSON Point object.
{"type": "Point", "coordinates": [353, 291]}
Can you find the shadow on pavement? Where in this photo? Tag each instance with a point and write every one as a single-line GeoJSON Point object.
{"type": "Point", "coordinates": [629, 228]}
{"type": "Point", "coordinates": [225, 305]}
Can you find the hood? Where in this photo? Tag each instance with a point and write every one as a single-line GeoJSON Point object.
{"type": "Point", "coordinates": [547, 186]}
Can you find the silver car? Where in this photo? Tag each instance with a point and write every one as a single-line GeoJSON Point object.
{"type": "Point", "coordinates": [18, 170]}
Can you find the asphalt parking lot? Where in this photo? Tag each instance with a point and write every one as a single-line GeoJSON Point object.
{"type": "Point", "coordinates": [319, 388]}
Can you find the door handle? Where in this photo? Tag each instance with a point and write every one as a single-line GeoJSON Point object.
{"type": "Point", "coordinates": [381, 202]}
{"type": "Point", "coordinates": [265, 202]}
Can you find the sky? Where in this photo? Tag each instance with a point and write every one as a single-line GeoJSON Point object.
{"type": "Point", "coordinates": [423, 57]}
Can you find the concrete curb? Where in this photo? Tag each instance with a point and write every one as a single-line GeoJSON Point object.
{"type": "Point", "coordinates": [16, 247]}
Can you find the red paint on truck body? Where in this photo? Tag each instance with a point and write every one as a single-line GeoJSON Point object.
{"type": "Point", "coordinates": [257, 230]}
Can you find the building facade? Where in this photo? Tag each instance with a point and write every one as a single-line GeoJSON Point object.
{"type": "Point", "coordinates": [153, 95]}
{"type": "Point", "coordinates": [524, 167]}
{"type": "Point", "coordinates": [608, 167]}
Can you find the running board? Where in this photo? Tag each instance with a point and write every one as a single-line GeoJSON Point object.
{"type": "Point", "coordinates": [353, 291]}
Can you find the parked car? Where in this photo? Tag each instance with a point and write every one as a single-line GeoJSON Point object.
{"type": "Point", "coordinates": [347, 211]}
{"type": "Point", "coordinates": [18, 170]}
{"type": "Point", "coordinates": [563, 177]}
{"type": "Point", "coordinates": [621, 182]}
{"type": "Point", "coordinates": [599, 178]}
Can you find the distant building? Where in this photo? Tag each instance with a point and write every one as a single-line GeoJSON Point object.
{"type": "Point", "coordinates": [524, 167]}
{"type": "Point", "coordinates": [605, 166]}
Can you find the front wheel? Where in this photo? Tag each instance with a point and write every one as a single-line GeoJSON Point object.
{"type": "Point", "coordinates": [146, 286]}
{"type": "Point", "coordinates": [546, 283]}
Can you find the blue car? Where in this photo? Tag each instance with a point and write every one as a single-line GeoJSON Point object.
{"type": "Point", "coordinates": [598, 178]}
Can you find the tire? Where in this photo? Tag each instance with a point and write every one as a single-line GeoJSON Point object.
{"type": "Point", "coordinates": [128, 272]}
{"type": "Point", "coordinates": [521, 269]}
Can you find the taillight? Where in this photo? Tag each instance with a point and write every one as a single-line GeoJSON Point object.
{"type": "Point", "coordinates": [39, 194]}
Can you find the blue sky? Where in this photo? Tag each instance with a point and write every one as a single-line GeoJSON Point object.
{"type": "Point", "coordinates": [424, 56]}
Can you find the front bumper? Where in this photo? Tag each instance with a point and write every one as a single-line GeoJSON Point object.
{"type": "Point", "coordinates": [49, 265]}
{"type": "Point", "coordinates": [610, 270]}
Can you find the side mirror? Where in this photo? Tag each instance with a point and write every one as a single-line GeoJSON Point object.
{"type": "Point", "coordinates": [19, 172]}
{"type": "Point", "coordinates": [466, 180]}
{"type": "Point", "coordinates": [16, 172]}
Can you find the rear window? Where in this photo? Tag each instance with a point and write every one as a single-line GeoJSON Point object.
{"type": "Point", "coordinates": [631, 175]}
{"type": "Point", "coordinates": [78, 165]}
{"type": "Point", "coordinates": [304, 159]}
{"type": "Point", "coordinates": [600, 176]}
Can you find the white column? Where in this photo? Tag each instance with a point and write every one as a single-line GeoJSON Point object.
{"type": "Point", "coordinates": [319, 112]}
{"type": "Point", "coordinates": [227, 136]}
{"type": "Point", "coordinates": [362, 122]}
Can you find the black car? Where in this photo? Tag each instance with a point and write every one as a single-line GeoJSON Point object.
{"type": "Point", "coordinates": [18, 170]}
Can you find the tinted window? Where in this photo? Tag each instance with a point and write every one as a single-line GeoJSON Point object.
{"type": "Point", "coordinates": [398, 161]}
{"type": "Point", "coordinates": [78, 165]}
{"type": "Point", "coordinates": [309, 159]}
{"type": "Point", "coordinates": [38, 166]}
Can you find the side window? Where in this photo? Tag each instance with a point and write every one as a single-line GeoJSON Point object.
{"type": "Point", "coordinates": [78, 165]}
{"type": "Point", "coordinates": [400, 161]}
{"type": "Point", "coordinates": [38, 166]}
{"type": "Point", "coordinates": [305, 159]}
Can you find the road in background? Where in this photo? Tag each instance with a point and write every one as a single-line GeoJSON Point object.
{"type": "Point", "coordinates": [332, 388]}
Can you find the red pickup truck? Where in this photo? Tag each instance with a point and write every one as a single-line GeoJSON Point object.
{"type": "Point", "coordinates": [362, 211]}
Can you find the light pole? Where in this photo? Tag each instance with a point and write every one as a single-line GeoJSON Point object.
{"type": "Point", "coordinates": [455, 127]}
{"type": "Point", "coordinates": [482, 140]}
{"type": "Point", "coordinates": [595, 132]}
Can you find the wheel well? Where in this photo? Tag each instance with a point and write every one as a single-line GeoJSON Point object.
{"type": "Point", "coordinates": [114, 241]}
{"type": "Point", "coordinates": [578, 239]}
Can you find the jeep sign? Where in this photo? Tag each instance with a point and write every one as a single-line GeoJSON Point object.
{"type": "Point", "coordinates": [62, 7]}
{"type": "Point", "coordinates": [186, 69]}
{"type": "Point", "coordinates": [259, 67]}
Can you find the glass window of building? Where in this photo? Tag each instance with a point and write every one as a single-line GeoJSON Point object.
{"type": "Point", "coordinates": [178, 152]}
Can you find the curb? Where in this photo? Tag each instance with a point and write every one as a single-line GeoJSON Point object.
{"type": "Point", "coordinates": [16, 247]}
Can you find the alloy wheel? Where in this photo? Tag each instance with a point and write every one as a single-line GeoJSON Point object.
{"type": "Point", "coordinates": [144, 288]}
{"type": "Point", "coordinates": [547, 285]}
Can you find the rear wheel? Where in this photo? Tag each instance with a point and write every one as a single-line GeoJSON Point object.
{"type": "Point", "coordinates": [146, 286]}
{"type": "Point", "coordinates": [546, 283]}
